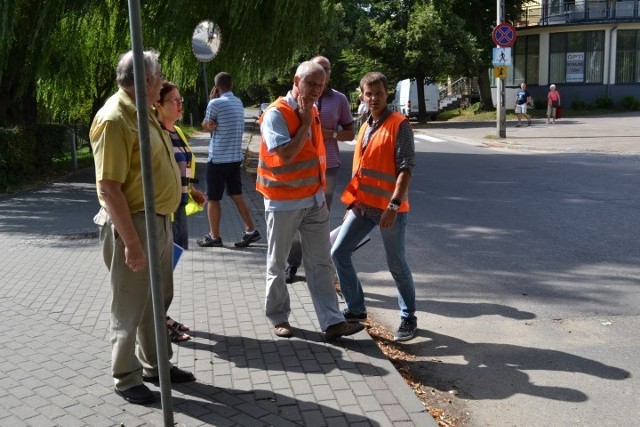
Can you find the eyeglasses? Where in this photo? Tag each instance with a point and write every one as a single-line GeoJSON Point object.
{"type": "Point", "coordinates": [177, 100]}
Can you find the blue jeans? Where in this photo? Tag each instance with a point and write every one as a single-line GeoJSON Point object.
{"type": "Point", "coordinates": [355, 228]}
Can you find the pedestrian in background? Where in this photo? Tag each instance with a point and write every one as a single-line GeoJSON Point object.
{"type": "Point", "coordinates": [363, 110]}
{"type": "Point", "coordinates": [123, 235]}
{"type": "Point", "coordinates": [225, 119]}
{"type": "Point", "coordinates": [337, 125]}
{"type": "Point", "coordinates": [523, 100]}
{"type": "Point", "coordinates": [383, 162]}
{"type": "Point", "coordinates": [291, 177]}
{"type": "Point", "coordinates": [553, 103]}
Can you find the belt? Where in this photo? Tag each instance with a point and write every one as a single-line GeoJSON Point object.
{"type": "Point", "coordinates": [144, 213]}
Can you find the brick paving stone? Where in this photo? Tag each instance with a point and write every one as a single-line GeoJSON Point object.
{"type": "Point", "coordinates": [58, 290]}
{"type": "Point", "coordinates": [97, 420]}
{"type": "Point", "coordinates": [52, 411]}
{"type": "Point", "coordinates": [337, 421]}
{"type": "Point", "coordinates": [34, 401]}
{"type": "Point", "coordinates": [40, 421]}
{"type": "Point", "coordinates": [69, 421]}
{"type": "Point", "coordinates": [314, 419]}
{"type": "Point", "coordinates": [13, 421]}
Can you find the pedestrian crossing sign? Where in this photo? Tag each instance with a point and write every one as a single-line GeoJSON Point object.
{"type": "Point", "coordinates": [500, 72]}
{"type": "Point", "coordinates": [501, 56]}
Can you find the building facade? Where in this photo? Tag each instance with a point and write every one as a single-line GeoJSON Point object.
{"type": "Point", "coordinates": [588, 49]}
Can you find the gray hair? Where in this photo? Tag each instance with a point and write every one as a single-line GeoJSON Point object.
{"type": "Point", "coordinates": [552, 87]}
{"type": "Point", "coordinates": [308, 68]}
{"type": "Point", "coordinates": [124, 70]}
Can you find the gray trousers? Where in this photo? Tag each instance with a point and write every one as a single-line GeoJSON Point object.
{"type": "Point", "coordinates": [313, 225]}
{"type": "Point", "coordinates": [295, 254]}
{"type": "Point", "coordinates": [132, 330]}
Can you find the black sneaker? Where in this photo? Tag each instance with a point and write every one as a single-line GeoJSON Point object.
{"type": "Point", "coordinates": [209, 242]}
{"type": "Point", "coordinates": [248, 238]}
{"type": "Point", "coordinates": [407, 329]}
{"type": "Point", "coordinates": [352, 317]}
{"type": "Point", "coordinates": [290, 274]}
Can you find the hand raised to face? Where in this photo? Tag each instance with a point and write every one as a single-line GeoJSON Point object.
{"type": "Point", "coordinates": [305, 109]}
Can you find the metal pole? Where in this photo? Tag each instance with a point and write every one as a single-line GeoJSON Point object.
{"type": "Point", "coordinates": [74, 154]}
{"type": "Point", "coordinates": [501, 113]}
{"type": "Point", "coordinates": [150, 208]}
{"type": "Point", "coordinates": [206, 88]}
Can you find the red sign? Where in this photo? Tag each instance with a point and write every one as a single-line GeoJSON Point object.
{"type": "Point", "coordinates": [504, 35]}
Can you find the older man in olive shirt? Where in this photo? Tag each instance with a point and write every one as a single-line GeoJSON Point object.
{"type": "Point", "coordinates": [122, 222]}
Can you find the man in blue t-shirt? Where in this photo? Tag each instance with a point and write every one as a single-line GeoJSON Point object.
{"type": "Point", "coordinates": [523, 99]}
{"type": "Point", "coordinates": [225, 119]}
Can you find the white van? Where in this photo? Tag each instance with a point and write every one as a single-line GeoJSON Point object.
{"type": "Point", "coordinates": [406, 98]}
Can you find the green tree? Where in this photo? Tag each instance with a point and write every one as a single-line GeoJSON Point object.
{"type": "Point", "coordinates": [415, 39]}
{"type": "Point", "coordinates": [58, 56]}
{"type": "Point", "coordinates": [479, 20]}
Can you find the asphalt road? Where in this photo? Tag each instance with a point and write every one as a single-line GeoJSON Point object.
{"type": "Point", "coordinates": [527, 269]}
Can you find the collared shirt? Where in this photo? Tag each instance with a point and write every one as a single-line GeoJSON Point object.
{"type": "Point", "coordinates": [275, 134]}
{"type": "Point", "coordinates": [116, 153]}
{"type": "Point", "coordinates": [226, 140]}
{"type": "Point", "coordinates": [335, 112]}
{"type": "Point", "coordinates": [405, 146]}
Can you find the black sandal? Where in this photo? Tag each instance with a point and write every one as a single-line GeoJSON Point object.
{"type": "Point", "coordinates": [177, 336]}
{"type": "Point", "coordinates": [177, 325]}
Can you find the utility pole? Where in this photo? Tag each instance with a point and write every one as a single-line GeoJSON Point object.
{"type": "Point", "coordinates": [501, 113]}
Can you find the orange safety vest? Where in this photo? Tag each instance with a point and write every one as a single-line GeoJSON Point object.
{"type": "Point", "coordinates": [305, 174]}
{"type": "Point", "coordinates": [374, 171]}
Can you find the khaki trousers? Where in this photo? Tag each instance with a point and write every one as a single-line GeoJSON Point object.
{"type": "Point", "coordinates": [132, 330]}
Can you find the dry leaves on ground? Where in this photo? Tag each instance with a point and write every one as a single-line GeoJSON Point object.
{"type": "Point", "coordinates": [403, 361]}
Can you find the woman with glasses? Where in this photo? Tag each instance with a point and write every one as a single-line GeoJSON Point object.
{"type": "Point", "coordinates": [169, 111]}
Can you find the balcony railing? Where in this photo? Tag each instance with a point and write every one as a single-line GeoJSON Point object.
{"type": "Point", "coordinates": [578, 13]}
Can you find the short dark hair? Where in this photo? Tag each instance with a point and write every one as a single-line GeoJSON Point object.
{"type": "Point", "coordinates": [223, 81]}
{"type": "Point", "coordinates": [373, 78]}
{"type": "Point", "coordinates": [167, 87]}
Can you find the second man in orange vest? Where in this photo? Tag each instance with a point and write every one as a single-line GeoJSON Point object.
{"type": "Point", "coordinates": [377, 194]}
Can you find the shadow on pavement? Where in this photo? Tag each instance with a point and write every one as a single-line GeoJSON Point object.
{"type": "Point", "coordinates": [270, 355]}
{"type": "Point", "coordinates": [220, 406]}
{"type": "Point", "coordinates": [498, 371]}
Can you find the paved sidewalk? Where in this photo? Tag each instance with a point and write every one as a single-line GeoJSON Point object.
{"type": "Point", "coordinates": [611, 134]}
{"type": "Point", "coordinates": [54, 300]}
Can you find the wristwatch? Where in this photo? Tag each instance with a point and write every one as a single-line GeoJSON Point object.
{"type": "Point", "coordinates": [334, 135]}
{"type": "Point", "coordinates": [394, 205]}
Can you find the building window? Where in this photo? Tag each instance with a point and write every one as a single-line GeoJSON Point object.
{"type": "Point", "coordinates": [576, 57]}
{"type": "Point", "coordinates": [526, 58]}
{"type": "Point", "coordinates": [554, 7]}
{"type": "Point", "coordinates": [628, 56]}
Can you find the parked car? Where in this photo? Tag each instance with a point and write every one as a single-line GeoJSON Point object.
{"type": "Point", "coordinates": [406, 98]}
